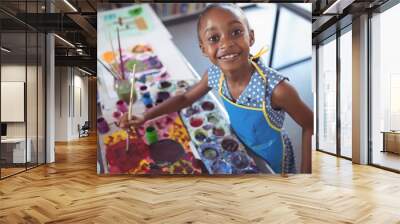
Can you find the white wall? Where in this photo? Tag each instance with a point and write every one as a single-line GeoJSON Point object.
{"type": "Point", "coordinates": [34, 124]}
{"type": "Point", "coordinates": [69, 85]}
{"type": "Point", "coordinates": [61, 103]}
{"type": "Point", "coordinates": [80, 84]}
{"type": "Point", "coordinates": [13, 73]}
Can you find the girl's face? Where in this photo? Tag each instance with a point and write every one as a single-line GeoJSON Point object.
{"type": "Point", "coordinates": [225, 39]}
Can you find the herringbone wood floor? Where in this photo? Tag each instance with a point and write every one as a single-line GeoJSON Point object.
{"type": "Point", "coordinates": [70, 191]}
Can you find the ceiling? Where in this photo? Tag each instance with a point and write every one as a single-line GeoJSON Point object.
{"type": "Point", "coordinates": [75, 21]}
{"type": "Point", "coordinates": [330, 15]}
{"type": "Point", "coordinates": [72, 20]}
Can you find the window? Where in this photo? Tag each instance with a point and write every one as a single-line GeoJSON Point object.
{"type": "Point", "coordinates": [22, 72]}
{"type": "Point", "coordinates": [385, 87]}
{"type": "Point", "coordinates": [346, 94]}
{"type": "Point", "coordinates": [285, 43]}
{"type": "Point", "coordinates": [327, 96]}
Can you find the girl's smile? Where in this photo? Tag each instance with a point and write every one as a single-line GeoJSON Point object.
{"type": "Point", "coordinates": [229, 57]}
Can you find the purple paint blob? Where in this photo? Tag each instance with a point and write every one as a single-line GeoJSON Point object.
{"type": "Point", "coordinates": [164, 84]}
{"type": "Point", "coordinates": [163, 95]}
{"type": "Point", "coordinates": [229, 145]}
{"type": "Point", "coordinates": [218, 131]}
{"type": "Point", "coordinates": [102, 125]}
{"type": "Point", "coordinates": [192, 110]}
{"type": "Point", "coordinates": [240, 160]}
{"type": "Point", "coordinates": [207, 105]}
{"type": "Point", "coordinates": [121, 106]}
{"type": "Point", "coordinates": [117, 114]}
{"type": "Point", "coordinates": [201, 137]}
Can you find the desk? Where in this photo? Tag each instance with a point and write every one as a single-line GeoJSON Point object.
{"type": "Point", "coordinates": [391, 141]}
{"type": "Point", "coordinates": [13, 150]}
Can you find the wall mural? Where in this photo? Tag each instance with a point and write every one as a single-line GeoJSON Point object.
{"type": "Point", "coordinates": [139, 68]}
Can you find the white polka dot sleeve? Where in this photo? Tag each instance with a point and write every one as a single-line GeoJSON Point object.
{"type": "Point", "coordinates": [214, 74]}
{"type": "Point", "coordinates": [274, 78]}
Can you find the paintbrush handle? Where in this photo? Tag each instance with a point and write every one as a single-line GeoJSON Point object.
{"type": "Point", "coordinates": [131, 95]}
{"type": "Point", "coordinates": [121, 65]}
{"type": "Point", "coordinates": [108, 69]}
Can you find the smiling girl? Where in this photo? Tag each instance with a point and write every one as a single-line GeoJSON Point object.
{"type": "Point", "coordinates": [255, 96]}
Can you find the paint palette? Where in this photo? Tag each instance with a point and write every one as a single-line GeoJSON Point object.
{"type": "Point", "coordinates": [220, 158]}
{"type": "Point", "coordinates": [218, 148]}
{"type": "Point", "coordinates": [204, 122]}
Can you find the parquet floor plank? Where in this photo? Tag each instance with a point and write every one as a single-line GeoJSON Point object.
{"type": "Point", "coordinates": [70, 191]}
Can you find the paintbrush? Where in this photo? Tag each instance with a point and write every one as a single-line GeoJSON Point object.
{"type": "Point", "coordinates": [121, 65]}
{"type": "Point", "coordinates": [114, 53]}
{"type": "Point", "coordinates": [130, 104]}
{"type": "Point", "coordinates": [116, 76]}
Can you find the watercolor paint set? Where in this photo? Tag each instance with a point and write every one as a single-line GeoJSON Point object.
{"type": "Point", "coordinates": [219, 149]}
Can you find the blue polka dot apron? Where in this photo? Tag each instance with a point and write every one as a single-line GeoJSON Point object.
{"type": "Point", "coordinates": [253, 127]}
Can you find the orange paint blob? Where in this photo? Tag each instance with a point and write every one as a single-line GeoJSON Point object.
{"type": "Point", "coordinates": [109, 57]}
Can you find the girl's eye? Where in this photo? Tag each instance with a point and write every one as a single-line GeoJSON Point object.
{"type": "Point", "coordinates": [237, 32]}
{"type": "Point", "coordinates": [213, 39]}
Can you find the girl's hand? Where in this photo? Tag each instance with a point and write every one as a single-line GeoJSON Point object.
{"type": "Point", "coordinates": [135, 121]}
